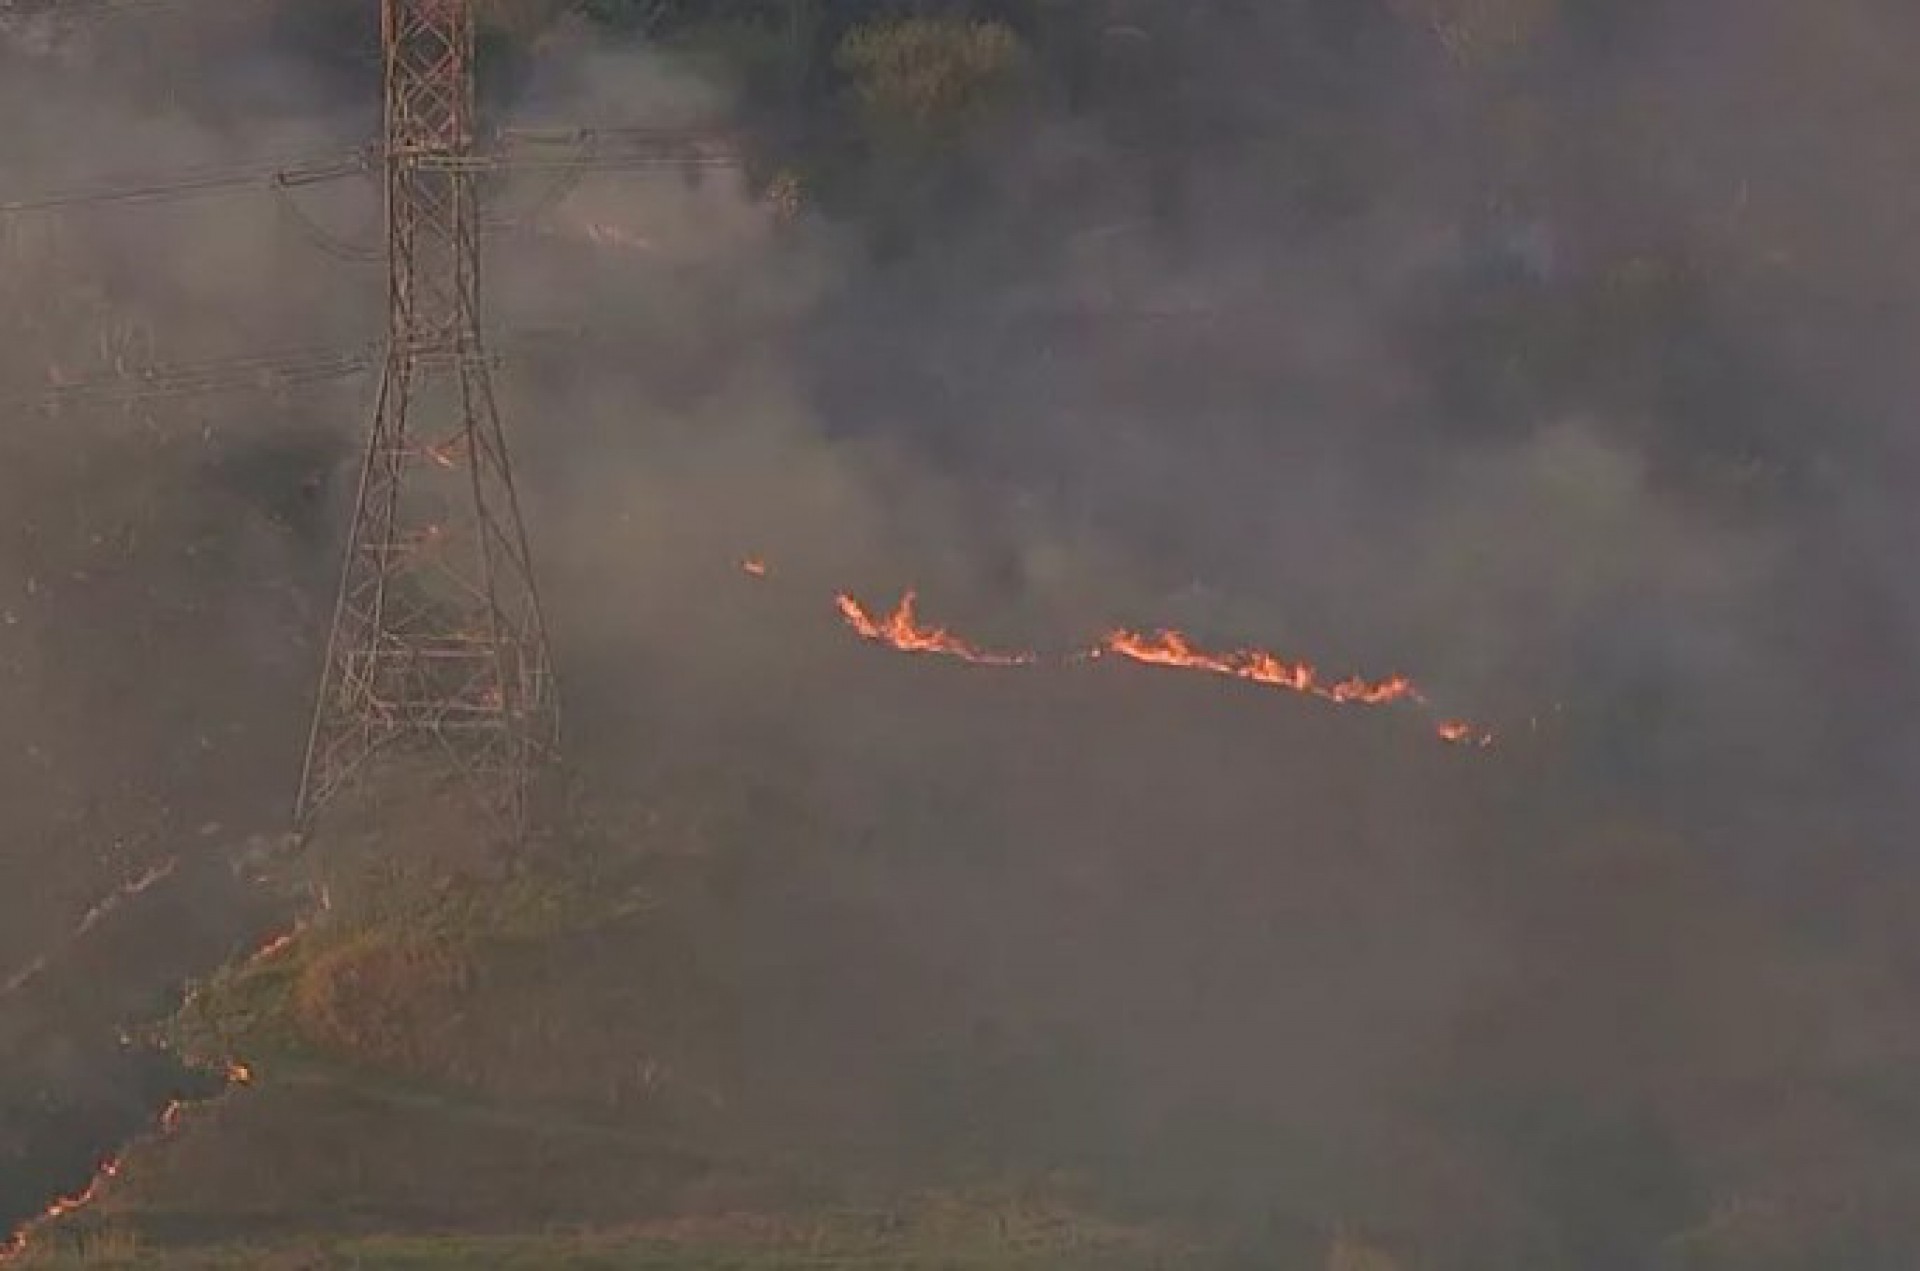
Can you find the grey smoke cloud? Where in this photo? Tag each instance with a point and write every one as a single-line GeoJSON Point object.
{"type": "Point", "coordinates": [1238, 948]}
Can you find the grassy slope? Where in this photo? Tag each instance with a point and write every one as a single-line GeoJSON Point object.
{"type": "Point", "coordinates": [506, 1058]}
{"type": "Point", "coordinates": [639, 1252]}
{"type": "Point", "coordinates": [956, 1231]}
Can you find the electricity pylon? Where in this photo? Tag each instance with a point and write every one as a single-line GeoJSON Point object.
{"type": "Point", "coordinates": [438, 641]}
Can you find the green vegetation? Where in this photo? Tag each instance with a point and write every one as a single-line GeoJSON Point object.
{"type": "Point", "coordinates": [930, 75]}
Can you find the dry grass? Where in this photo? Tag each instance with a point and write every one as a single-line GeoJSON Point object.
{"type": "Point", "coordinates": [381, 996]}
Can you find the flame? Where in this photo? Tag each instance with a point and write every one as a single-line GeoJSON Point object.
{"type": "Point", "coordinates": [754, 567]}
{"type": "Point", "coordinates": [237, 1075]}
{"type": "Point", "coordinates": [1173, 649]}
{"type": "Point", "coordinates": [165, 1126]}
{"type": "Point", "coordinates": [16, 1245]}
{"type": "Point", "coordinates": [903, 630]}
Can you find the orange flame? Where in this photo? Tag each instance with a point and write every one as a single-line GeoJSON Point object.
{"type": "Point", "coordinates": [1172, 649]}
{"type": "Point", "coordinates": [166, 1125]}
{"type": "Point", "coordinates": [903, 630]}
{"type": "Point", "coordinates": [16, 1245]}
{"type": "Point", "coordinates": [754, 567]}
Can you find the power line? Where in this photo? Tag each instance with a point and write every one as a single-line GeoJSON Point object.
{"type": "Point", "coordinates": [190, 183]}
{"type": "Point", "coordinates": [257, 372]}
{"type": "Point", "coordinates": [98, 9]}
{"type": "Point", "coordinates": [594, 150]}
{"type": "Point", "coordinates": [438, 638]}
{"type": "Point", "coordinates": [342, 249]}
{"type": "Point", "coordinates": [78, 10]}
{"type": "Point", "coordinates": [271, 371]}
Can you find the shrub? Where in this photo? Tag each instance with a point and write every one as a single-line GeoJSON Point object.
{"type": "Point", "coordinates": [377, 994]}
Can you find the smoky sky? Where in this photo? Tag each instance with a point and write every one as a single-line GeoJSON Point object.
{"type": "Point", "coordinates": [1571, 381]}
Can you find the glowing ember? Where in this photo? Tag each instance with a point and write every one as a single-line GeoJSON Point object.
{"type": "Point", "coordinates": [1460, 733]}
{"type": "Point", "coordinates": [902, 630]}
{"type": "Point", "coordinates": [273, 948]}
{"type": "Point", "coordinates": [171, 1117]}
{"type": "Point", "coordinates": [753, 567]}
{"type": "Point", "coordinates": [17, 1245]}
{"type": "Point", "coordinates": [165, 1126]}
{"type": "Point", "coordinates": [169, 1121]}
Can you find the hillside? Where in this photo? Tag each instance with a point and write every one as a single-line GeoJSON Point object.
{"type": "Point", "coordinates": [550, 1063]}
{"type": "Point", "coordinates": [1189, 633]}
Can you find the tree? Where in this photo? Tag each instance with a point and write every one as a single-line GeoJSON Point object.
{"type": "Point", "coordinates": [931, 77]}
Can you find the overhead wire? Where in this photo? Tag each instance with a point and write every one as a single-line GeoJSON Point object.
{"type": "Point", "coordinates": [334, 245]}
{"type": "Point", "coordinates": [272, 371]}
{"type": "Point", "coordinates": [69, 10]}
{"type": "Point", "coordinates": [594, 149]}
{"type": "Point", "coordinates": [649, 148]}
{"type": "Point", "coordinates": [189, 183]}
{"type": "Point", "coordinates": [261, 371]}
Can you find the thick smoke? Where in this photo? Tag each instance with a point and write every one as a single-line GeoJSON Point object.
{"type": "Point", "coordinates": [161, 552]}
{"type": "Point", "coordinates": [164, 558]}
{"type": "Point", "coordinates": [1569, 381]}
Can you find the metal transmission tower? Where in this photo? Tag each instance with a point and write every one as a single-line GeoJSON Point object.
{"type": "Point", "coordinates": [438, 641]}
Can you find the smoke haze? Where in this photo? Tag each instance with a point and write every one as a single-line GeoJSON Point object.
{"type": "Point", "coordinates": [1574, 386]}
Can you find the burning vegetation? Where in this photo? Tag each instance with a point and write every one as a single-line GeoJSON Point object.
{"type": "Point", "coordinates": [903, 630]}
{"type": "Point", "coordinates": [1592, 347]}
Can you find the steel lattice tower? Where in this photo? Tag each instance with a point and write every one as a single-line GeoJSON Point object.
{"type": "Point", "coordinates": [438, 641]}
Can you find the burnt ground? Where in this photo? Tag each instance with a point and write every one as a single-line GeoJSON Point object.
{"type": "Point", "coordinates": [77, 1078]}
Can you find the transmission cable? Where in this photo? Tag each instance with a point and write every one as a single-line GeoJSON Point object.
{"type": "Point", "coordinates": [334, 245]}
{"type": "Point", "coordinates": [194, 182]}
